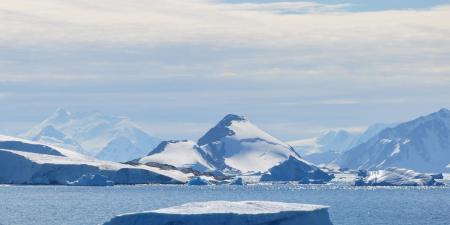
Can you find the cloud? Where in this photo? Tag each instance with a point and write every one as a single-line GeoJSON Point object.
{"type": "Point", "coordinates": [290, 7]}
{"type": "Point", "coordinates": [4, 95]}
{"type": "Point", "coordinates": [338, 102]}
{"type": "Point", "coordinates": [209, 22]}
{"type": "Point", "coordinates": [85, 40]}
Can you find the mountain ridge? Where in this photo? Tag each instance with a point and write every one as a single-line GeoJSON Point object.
{"type": "Point", "coordinates": [421, 144]}
{"type": "Point", "coordinates": [95, 134]}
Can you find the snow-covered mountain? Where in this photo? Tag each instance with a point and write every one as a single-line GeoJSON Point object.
{"type": "Point", "coordinates": [335, 140]}
{"type": "Point", "coordinates": [233, 146]}
{"type": "Point", "coordinates": [237, 144]}
{"type": "Point", "coordinates": [329, 145]}
{"type": "Point", "coordinates": [94, 134]}
{"type": "Point", "coordinates": [180, 154]}
{"type": "Point", "coordinates": [27, 162]}
{"type": "Point", "coordinates": [422, 144]}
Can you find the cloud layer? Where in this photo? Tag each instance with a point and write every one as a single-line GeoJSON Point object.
{"type": "Point", "coordinates": [199, 21]}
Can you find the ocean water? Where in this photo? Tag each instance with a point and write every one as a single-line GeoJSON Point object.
{"type": "Point", "coordinates": [59, 205]}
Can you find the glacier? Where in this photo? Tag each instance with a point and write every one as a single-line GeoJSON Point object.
{"type": "Point", "coordinates": [91, 180]}
{"type": "Point", "coordinates": [230, 213]}
{"type": "Point", "coordinates": [31, 163]}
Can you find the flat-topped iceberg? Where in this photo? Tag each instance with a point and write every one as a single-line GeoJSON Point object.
{"type": "Point", "coordinates": [230, 213]}
{"type": "Point", "coordinates": [396, 177]}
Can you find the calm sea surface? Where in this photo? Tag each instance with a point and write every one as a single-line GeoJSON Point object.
{"type": "Point", "coordinates": [59, 205]}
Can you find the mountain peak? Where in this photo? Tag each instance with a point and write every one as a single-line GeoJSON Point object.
{"type": "Point", "coordinates": [232, 117]}
{"type": "Point", "coordinates": [420, 144]}
{"type": "Point", "coordinates": [444, 111]}
{"type": "Point", "coordinates": [61, 112]}
{"type": "Point", "coordinates": [50, 131]}
{"type": "Point", "coordinates": [60, 116]}
{"type": "Point", "coordinates": [222, 129]}
{"type": "Point", "coordinates": [441, 114]}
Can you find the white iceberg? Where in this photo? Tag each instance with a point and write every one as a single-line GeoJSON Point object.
{"type": "Point", "coordinates": [396, 177]}
{"type": "Point", "coordinates": [295, 169]}
{"type": "Point", "coordinates": [230, 213]}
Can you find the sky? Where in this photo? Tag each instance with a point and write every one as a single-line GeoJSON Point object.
{"type": "Point", "coordinates": [294, 68]}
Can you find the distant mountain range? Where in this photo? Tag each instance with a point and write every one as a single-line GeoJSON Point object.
{"type": "Point", "coordinates": [422, 144]}
{"type": "Point", "coordinates": [94, 134]}
{"type": "Point", "coordinates": [329, 145]}
{"type": "Point", "coordinates": [236, 146]}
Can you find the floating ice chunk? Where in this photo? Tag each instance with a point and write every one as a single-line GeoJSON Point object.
{"type": "Point", "coordinates": [230, 213]}
{"type": "Point", "coordinates": [198, 181]}
{"type": "Point", "coordinates": [396, 177]}
{"type": "Point", "coordinates": [295, 169]}
{"type": "Point", "coordinates": [237, 181]}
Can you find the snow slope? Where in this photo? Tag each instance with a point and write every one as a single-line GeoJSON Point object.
{"type": "Point", "coordinates": [26, 162]}
{"type": "Point", "coordinates": [336, 141]}
{"type": "Point", "coordinates": [230, 213]}
{"type": "Point", "coordinates": [180, 154]}
{"type": "Point", "coordinates": [422, 144]}
{"type": "Point", "coordinates": [18, 144]}
{"type": "Point", "coordinates": [238, 144]}
{"type": "Point", "coordinates": [396, 177]}
{"type": "Point", "coordinates": [94, 134]}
